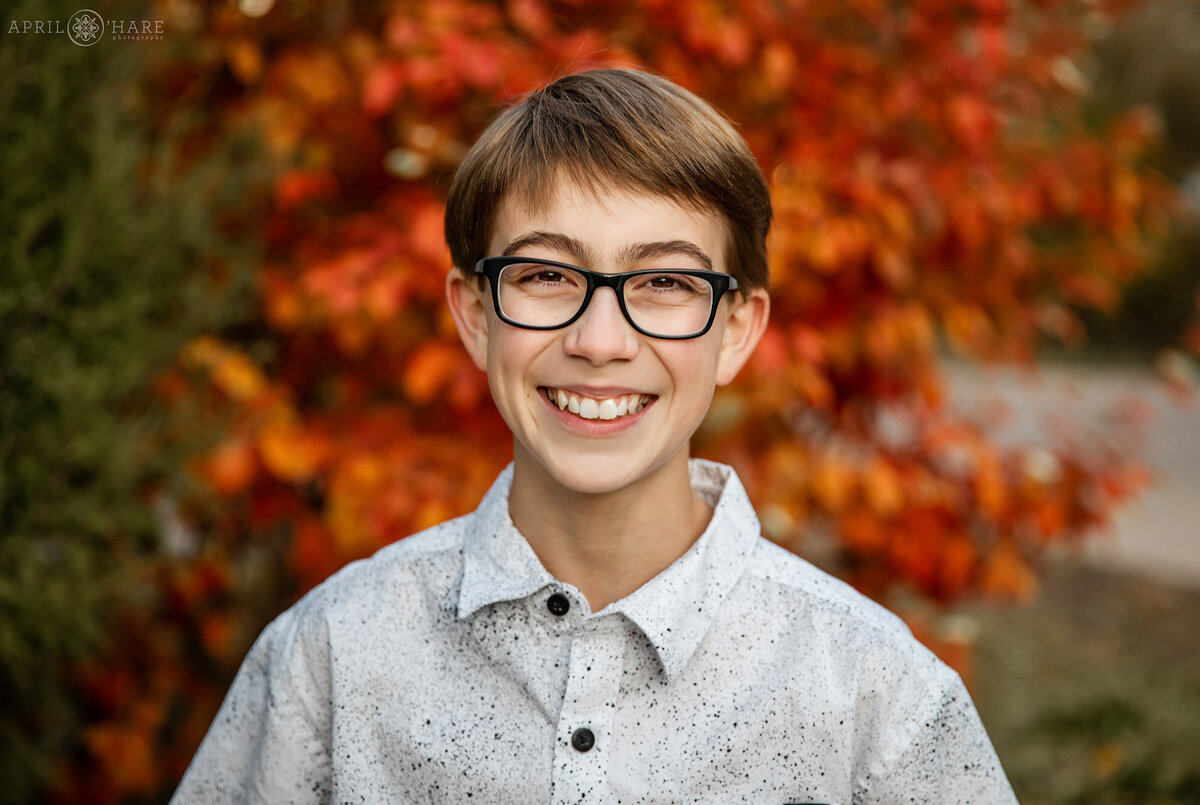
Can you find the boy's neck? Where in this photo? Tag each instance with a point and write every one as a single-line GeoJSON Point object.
{"type": "Point", "coordinates": [607, 545]}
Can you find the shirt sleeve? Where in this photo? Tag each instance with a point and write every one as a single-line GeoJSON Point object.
{"type": "Point", "coordinates": [942, 755]}
{"type": "Point", "coordinates": [270, 741]}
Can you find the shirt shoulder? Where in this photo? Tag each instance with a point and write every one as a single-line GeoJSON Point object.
{"type": "Point", "coordinates": [913, 724]}
{"type": "Point", "coordinates": [419, 571]}
{"type": "Point", "coordinates": [863, 646]}
{"type": "Point", "coordinates": [796, 582]}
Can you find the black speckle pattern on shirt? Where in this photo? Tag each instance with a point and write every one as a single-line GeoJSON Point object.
{"type": "Point", "coordinates": [436, 671]}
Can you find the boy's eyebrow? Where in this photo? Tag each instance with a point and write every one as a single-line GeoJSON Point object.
{"type": "Point", "coordinates": [554, 240]}
{"type": "Point", "coordinates": [630, 254]}
{"type": "Point", "coordinates": [666, 248]}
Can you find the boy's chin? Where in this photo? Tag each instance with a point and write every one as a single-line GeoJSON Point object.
{"type": "Point", "coordinates": [596, 475]}
{"type": "Point", "coordinates": [592, 477]}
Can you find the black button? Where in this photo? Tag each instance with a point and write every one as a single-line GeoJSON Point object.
{"type": "Point", "coordinates": [558, 604]}
{"type": "Point", "coordinates": [583, 739]}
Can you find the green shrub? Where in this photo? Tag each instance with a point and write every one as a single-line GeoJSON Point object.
{"type": "Point", "coordinates": [100, 286]}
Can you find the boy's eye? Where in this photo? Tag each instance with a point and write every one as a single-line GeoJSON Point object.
{"type": "Point", "coordinates": [535, 274]}
{"type": "Point", "coordinates": [670, 283]}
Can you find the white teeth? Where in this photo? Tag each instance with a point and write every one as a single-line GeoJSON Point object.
{"type": "Point", "coordinates": [605, 409]}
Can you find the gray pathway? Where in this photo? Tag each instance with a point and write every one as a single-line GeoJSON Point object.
{"type": "Point", "coordinates": [1159, 532]}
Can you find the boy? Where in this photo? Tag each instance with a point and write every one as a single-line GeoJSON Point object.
{"type": "Point", "coordinates": [609, 625]}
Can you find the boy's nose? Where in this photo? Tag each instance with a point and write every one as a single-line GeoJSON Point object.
{"type": "Point", "coordinates": [602, 334]}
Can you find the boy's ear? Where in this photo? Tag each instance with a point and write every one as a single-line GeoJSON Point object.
{"type": "Point", "coordinates": [468, 306]}
{"type": "Point", "coordinates": [745, 326]}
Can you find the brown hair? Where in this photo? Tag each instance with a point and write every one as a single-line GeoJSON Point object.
{"type": "Point", "coordinates": [631, 129]}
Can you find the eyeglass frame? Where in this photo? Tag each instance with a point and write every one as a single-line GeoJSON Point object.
{"type": "Point", "coordinates": [720, 282]}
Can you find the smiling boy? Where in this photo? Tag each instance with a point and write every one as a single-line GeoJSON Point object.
{"type": "Point", "coordinates": [608, 625]}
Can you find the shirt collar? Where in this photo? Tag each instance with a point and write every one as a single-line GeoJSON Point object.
{"type": "Point", "coordinates": [498, 564]}
{"type": "Point", "coordinates": [674, 609]}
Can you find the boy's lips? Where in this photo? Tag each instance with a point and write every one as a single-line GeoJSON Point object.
{"type": "Point", "coordinates": [592, 404]}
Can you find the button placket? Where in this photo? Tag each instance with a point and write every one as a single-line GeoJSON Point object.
{"type": "Point", "coordinates": [585, 722]}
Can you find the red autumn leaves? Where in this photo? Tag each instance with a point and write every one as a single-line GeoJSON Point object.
{"type": "Point", "coordinates": [934, 185]}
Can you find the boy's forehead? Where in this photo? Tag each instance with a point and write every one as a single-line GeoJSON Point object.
{"type": "Point", "coordinates": [606, 218]}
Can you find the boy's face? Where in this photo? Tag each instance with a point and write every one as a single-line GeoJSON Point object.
{"type": "Point", "coordinates": [600, 357]}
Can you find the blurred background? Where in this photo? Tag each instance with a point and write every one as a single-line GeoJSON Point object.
{"type": "Point", "coordinates": [226, 369]}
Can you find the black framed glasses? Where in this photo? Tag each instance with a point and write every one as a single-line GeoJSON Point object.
{"type": "Point", "coordinates": [671, 303]}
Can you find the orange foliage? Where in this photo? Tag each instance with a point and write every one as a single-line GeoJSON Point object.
{"type": "Point", "coordinates": [931, 177]}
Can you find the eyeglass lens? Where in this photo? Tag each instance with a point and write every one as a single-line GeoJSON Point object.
{"type": "Point", "coordinates": [663, 303]}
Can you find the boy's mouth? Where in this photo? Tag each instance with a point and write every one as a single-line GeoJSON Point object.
{"type": "Point", "coordinates": [597, 408]}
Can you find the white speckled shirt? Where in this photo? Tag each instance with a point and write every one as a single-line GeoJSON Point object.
{"type": "Point", "coordinates": [452, 666]}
